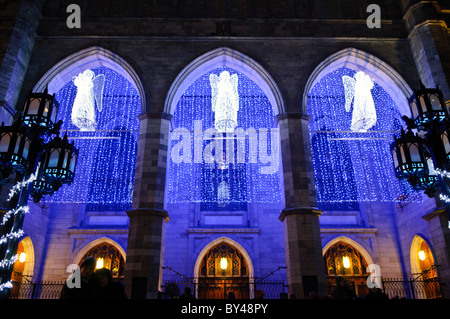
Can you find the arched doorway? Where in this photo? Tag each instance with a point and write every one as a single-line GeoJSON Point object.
{"type": "Point", "coordinates": [107, 255]}
{"type": "Point", "coordinates": [343, 260]}
{"type": "Point", "coordinates": [424, 269]}
{"type": "Point", "coordinates": [223, 268]}
{"type": "Point", "coordinates": [23, 266]}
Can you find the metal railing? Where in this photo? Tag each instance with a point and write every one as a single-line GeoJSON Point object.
{"type": "Point", "coordinates": [412, 288]}
{"type": "Point", "coordinates": [36, 290]}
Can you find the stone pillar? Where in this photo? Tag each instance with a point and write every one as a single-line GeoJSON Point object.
{"type": "Point", "coordinates": [145, 249]}
{"type": "Point", "coordinates": [303, 246]}
{"type": "Point", "coordinates": [440, 237]}
{"type": "Point", "coordinates": [20, 20]}
{"type": "Point", "coordinates": [430, 44]}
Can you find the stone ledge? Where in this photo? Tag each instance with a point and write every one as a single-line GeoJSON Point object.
{"type": "Point", "coordinates": [348, 230]}
{"type": "Point", "coordinates": [434, 213]}
{"type": "Point", "coordinates": [148, 212]}
{"type": "Point", "coordinates": [97, 230]}
{"type": "Point", "coordinates": [223, 230]}
{"type": "Point", "coordinates": [299, 211]}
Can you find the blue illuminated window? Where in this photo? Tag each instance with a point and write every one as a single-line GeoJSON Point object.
{"type": "Point", "coordinates": [201, 182]}
{"type": "Point", "coordinates": [351, 167]}
{"type": "Point", "coordinates": [104, 175]}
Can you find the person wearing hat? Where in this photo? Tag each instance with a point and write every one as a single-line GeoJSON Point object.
{"type": "Point", "coordinates": [86, 289]}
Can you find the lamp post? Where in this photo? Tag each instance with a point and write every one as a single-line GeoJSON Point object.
{"type": "Point", "coordinates": [42, 162]}
{"type": "Point", "coordinates": [423, 157]}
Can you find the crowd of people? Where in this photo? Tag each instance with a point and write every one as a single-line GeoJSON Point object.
{"type": "Point", "coordinates": [99, 284]}
{"type": "Point", "coordinates": [94, 284]}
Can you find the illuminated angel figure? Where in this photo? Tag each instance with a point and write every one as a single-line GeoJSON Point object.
{"type": "Point", "coordinates": [89, 91]}
{"type": "Point", "coordinates": [223, 193]}
{"type": "Point", "coordinates": [358, 89]}
{"type": "Point", "coordinates": [225, 101]}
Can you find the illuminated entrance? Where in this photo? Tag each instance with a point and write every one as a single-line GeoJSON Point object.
{"type": "Point", "coordinates": [223, 270]}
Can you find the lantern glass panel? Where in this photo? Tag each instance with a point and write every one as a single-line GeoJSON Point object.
{"type": "Point", "coordinates": [73, 163]}
{"type": "Point", "coordinates": [422, 103]}
{"type": "Point", "coordinates": [435, 102]}
{"type": "Point", "coordinates": [54, 112]}
{"type": "Point", "coordinates": [415, 154]}
{"type": "Point", "coordinates": [394, 157]}
{"type": "Point", "coordinates": [4, 143]}
{"type": "Point", "coordinates": [402, 153]}
{"type": "Point", "coordinates": [54, 158]}
{"type": "Point", "coordinates": [26, 149]}
{"type": "Point", "coordinates": [17, 146]}
{"type": "Point", "coordinates": [66, 158]}
{"type": "Point", "coordinates": [33, 108]}
{"type": "Point", "coordinates": [47, 108]}
{"type": "Point", "coordinates": [414, 108]}
{"type": "Point", "coordinates": [446, 143]}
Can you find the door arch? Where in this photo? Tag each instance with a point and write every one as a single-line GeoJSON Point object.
{"type": "Point", "coordinates": [223, 267]}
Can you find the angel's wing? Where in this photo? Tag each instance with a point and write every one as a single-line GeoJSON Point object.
{"type": "Point", "coordinates": [234, 83]}
{"type": "Point", "coordinates": [99, 83]}
{"type": "Point", "coordinates": [349, 88]}
{"type": "Point", "coordinates": [213, 80]}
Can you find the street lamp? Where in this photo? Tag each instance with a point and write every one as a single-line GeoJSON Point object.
{"type": "Point", "coordinates": [422, 153]}
{"type": "Point", "coordinates": [42, 162]}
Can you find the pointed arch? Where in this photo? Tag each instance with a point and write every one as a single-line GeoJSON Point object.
{"type": "Point", "coordinates": [63, 72]}
{"type": "Point", "coordinates": [28, 247]}
{"type": "Point", "coordinates": [96, 242]}
{"type": "Point", "coordinates": [358, 60]}
{"type": "Point", "coordinates": [229, 241]}
{"type": "Point", "coordinates": [351, 242]}
{"type": "Point", "coordinates": [413, 255]}
{"type": "Point", "coordinates": [224, 57]}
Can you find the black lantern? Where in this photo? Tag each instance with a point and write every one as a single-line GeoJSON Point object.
{"type": "Point", "coordinates": [40, 188]}
{"type": "Point", "coordinates": [429, 183]}
{"type": "Point", "coordinates": [427, 105]}
{"type": "Point", "coordinates": [59, 162]}
{"type": "Point", "coordinates": [14, 148]}
{"type": "Point", "coordinates": [40, 109]}
{"type": "Point", "coordinates": [409, 159]}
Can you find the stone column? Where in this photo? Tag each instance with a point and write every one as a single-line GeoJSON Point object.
{"type": "Point", "coordinates": [303, 246]}
{"type": "Point", "coordinates": [145, 249]}
{"type": "Point", "coordinates": [20, 20]}
{"type": "Point", "coordinates": [440, 237]}
{"type": "Point", "coordinates": [429, 40]}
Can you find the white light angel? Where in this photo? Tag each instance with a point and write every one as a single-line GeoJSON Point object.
{"type": "Point", "coordinates": [89, 92]}
{"type": "Point", "coordinates": [223, 193]}
{"type": "Point", "coordinates": [358, 90]}
{"type": "Point", "coordinates": [225, 101]}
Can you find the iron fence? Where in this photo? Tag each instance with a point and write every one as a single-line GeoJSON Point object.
{"type": "Point", "coordinates": [36, 290]}
{"type": "Point", "coordinates": [272, 289]}
{"type": "Point", "coordinates": [412, 288]}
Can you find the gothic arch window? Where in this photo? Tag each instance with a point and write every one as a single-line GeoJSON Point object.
{"type": "Point", "coordinates": [107, 256]}
{"type": "Point", "coordinates": [104, 177]}
{"type": "Point", "coordinates": [360, 165]}
{"type": "Point", "coordinates": [227, 182]}
{"type": "Point", "coordinates": [342, 259]}
{"type": "Point", "coordinates": [422, 259]}
{"type": "Point", "coordinates": [223, 260]}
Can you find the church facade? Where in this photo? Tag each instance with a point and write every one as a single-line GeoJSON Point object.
{"type": "Point", "coordinates": [232, 146]}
